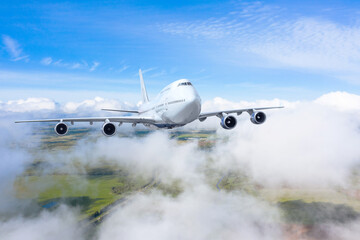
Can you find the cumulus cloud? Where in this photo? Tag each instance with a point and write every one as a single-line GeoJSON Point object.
{"type": "Point", "coordinates": [96, 104]}
{"type": "Point", "coordinates": [28, 105]}
{"type": "Point", "coordinates": [61, 224]}
{"type": "Point", "coordinates": [308, 146]}
{"type": "Point", "coordinates": [198, 214]}
{"type": "Point", "coordinates": [90, 106]}
{"type": "Point", "coordinates": [342, 101]}
{"type": "Point", "coordinates": [14, 157]}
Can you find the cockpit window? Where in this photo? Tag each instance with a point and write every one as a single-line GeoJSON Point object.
{"type": "Point", "coordinates": [184, 84]}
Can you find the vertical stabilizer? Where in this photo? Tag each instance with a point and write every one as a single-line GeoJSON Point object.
{"type": "Point", "coordinates": [144, 95]}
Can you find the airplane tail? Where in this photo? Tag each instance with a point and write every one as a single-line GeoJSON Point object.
{"type": "Point", "coordinates": [144, 95]}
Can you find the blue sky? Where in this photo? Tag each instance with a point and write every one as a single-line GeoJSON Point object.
{"type": "Point", "coordinates": [238, 50]}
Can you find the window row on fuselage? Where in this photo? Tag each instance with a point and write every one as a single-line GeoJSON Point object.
{"type": "Point", "coordinates": [169, 103]}
{"type": "Point", "coordinates": [185, 84]}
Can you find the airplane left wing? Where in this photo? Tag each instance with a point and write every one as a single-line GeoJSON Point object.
{"type": "Point", "coordinates": [203, 116]}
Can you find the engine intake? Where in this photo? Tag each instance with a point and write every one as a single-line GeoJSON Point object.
{"type": "Point", "coordinates": [109, 129]}
{"type": "Point", "coordinates": [61, 128]}
{"type": "Point", "coordinates": [258, 117]}
{"type": "Point", "coordinates": [228, 122]}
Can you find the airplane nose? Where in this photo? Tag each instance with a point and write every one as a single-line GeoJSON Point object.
{"type": "Point", "coordinates": [188, 110]}
{"type": "Point", "coordinates": [192, 106]}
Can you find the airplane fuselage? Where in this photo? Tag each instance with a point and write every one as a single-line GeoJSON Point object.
{"type": "Point", "coordinates": [176, 105]}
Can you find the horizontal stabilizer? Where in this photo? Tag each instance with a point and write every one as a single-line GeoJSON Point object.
{"type": "Point", "coordinates": [118, 110]}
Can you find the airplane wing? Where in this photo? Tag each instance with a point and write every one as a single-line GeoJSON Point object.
{"type": "Point", "coordinates": [203, 116]}
{"type": "Point", "coordinates": [129, 119]}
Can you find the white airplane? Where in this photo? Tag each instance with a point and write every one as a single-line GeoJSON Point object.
{"type": "Point", "coordinates": [176, 105]}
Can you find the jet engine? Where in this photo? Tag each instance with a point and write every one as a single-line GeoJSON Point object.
{"type": "Point", "coordinates": [228, 122]}
{"type": "Point", "coordinates": [61, 128]}
{"type": "Point", "coordinates": [108, 129]}
{"type": "Point", "coordinates": [258, 117]}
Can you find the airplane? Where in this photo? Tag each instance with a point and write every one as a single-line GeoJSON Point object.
{"type": "Point", "coordinates": [175, 106]}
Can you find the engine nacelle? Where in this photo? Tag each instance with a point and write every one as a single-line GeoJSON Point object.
{"type": "Point", "coordinates": [61, 128]}
{"type": "Point", "coordinates": [108, 129]}
{"type": "Point", "coordinates": [258, 117]}
{"type": "Point", "coordinates": [228, 122]}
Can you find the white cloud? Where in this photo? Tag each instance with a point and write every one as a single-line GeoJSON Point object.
{"type": "Point", "coordinates": [61, 224]}
{"type": "Point", "coordinates": [148, 70]}
{"type": "Point", "coordinates": [342, 101]}
{"type": "Point", "coordinates": [85, 107]}
{"type": "Point", "coordinates": [79, 65]}
{"type": "Point", "coordinates": [277, 40]}
{"type": "Point", "coordinates": [94, 66]}
{"type": "Point", "coordinates": [308, 145]}
{"type": "Point", "coordinates": [219, 103]}
{"type": "Point", "coordinates": [46, 61]}
{"type": "Point", "coordinates": [96, 104]}
{"type": "Point", "coordinates": [312, 44]}
{"type": "Point", "coordinates": [198, 214]}
{"type": "Point", "coordinates": [70, 65]}
{"type": "Point", "coordinates": [28, 105]}
{"type": "Point", "coordinates": [123, 68]}
{"type": "Point", "coordinates": [14, 49]}
{"type": "Point", "coordinates": [60, 63]}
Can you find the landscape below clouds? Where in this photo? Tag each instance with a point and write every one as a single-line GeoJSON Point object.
{"type": "Point", "coordinates": [302, 163]}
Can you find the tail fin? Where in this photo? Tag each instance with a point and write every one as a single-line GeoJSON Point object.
{"type": "Point", "coordinates": [144, 95]}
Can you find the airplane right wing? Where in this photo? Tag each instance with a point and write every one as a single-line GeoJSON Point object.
{"type": "Point", "coordinates": [108, 128]}
{"type": "Point", "coordinates": [126, 119]}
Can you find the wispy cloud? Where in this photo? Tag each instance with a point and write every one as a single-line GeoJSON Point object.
{"type": "Point", "coordinates": [79, 65]}
{"type": "Point", "coordinates": [312, 44]}
{"type": "Point", "coordinates": [158, 74]}
{"type": "Point", "coordinates": [278, 39]}
{"type": "Point", "coordinates": [123, 68]}
{"type": "Point", "coordinates": [148, 70]}
{"type": "Point", "coordinates": [46, 61]}
{"type": "Point", "coordinates": [14, 49]}
{"type": "Point", "coordinates": [94, 66]}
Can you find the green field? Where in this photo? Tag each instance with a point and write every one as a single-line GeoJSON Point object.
{"type": "Point", "coordinates": [89, 193]}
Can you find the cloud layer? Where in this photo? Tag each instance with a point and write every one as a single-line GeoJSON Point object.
{"type": "Point", "coordinates": [306, 145]}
